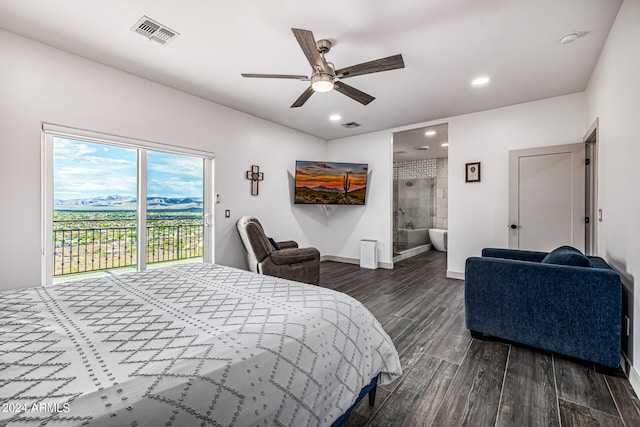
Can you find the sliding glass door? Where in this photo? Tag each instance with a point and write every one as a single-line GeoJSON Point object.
{"type": "Point", "coordinates": [94, 208]}
{"type": "Point", "coordinates": [175, 215]}
{"type": "Point", "coordinates": [116, 207]}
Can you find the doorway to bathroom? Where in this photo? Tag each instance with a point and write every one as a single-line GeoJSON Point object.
{"type": "Point", "coordinates": [420, 190]}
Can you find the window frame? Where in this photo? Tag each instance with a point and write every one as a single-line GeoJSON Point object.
{"type": "Point", "coordinates": [51, 131]}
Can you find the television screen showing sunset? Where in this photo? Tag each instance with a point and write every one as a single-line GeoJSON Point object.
{"type": "Point", "coordinates": [330, 183]}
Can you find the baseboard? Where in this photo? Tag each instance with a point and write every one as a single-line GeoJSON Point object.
{"type": "Point", "coordinates": [356, 261]}
{"type": "Point", "coordinates": [386, 265]}
{"type": "Point", "coordinates": [455, 275]}
{"type": "Point", "coordinates": [634, 379]}
{"type": "Point", "coordinates": [340, 259]}
{"type": "Point", "coordinates": [412, 252]}
{"type": "Point", "coordinates": [632, 373]}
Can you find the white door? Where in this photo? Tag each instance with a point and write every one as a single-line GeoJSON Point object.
{"type": "Point", "coordinates": [546, 197]}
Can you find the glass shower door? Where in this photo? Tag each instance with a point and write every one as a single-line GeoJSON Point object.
{"type": "Point", "coordinates": [413, 210]}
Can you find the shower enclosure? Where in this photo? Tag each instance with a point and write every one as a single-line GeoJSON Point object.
{"type": "Point", "coordinates": [413, 206]}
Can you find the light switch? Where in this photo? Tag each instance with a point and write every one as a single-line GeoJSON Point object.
{"type": "Point", "coordinates": [227, 213]}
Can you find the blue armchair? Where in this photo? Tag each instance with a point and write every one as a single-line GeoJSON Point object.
{"type": "Point", "coordinates": [573, 310]}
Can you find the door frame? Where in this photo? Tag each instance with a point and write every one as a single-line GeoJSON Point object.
{"type": "Point", "coordinates": [514, 156]}
{"type": "Point", "coordinates": [590, 140]}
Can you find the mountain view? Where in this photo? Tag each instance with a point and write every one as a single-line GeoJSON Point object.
{"type": "Point", "coordinates": [95, 218]}
{"type": "Point", "coordinates": [123, 203]}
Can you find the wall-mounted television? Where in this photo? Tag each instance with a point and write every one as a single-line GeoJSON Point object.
{"type": "Point", "coordinates": [330, 183]}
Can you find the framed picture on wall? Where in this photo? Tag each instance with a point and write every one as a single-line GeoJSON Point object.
{"type": "Point", "coordinates": [472, 173]}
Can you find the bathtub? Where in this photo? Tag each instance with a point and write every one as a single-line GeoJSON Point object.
{"type": "Point", "coordinates": [438, 239]}
{"type": "Point", "coordinates": [413, 236]}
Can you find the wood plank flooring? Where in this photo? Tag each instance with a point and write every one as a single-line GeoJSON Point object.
{"type": "Point", "coordinates": [450, 379]}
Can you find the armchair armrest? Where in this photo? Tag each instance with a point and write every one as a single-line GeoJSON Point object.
{"type": "Point", "coordinates": [294, 255]}
{"type": "Point", "coordinates": [514, 254]}
{"type": "Point", "coordinates": [288, 244]}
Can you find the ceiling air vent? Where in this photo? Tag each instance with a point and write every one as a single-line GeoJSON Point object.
{"type": "Point", "coordinates": [154, 30]}
{"type": "Point", "coordinates": [351, 125]}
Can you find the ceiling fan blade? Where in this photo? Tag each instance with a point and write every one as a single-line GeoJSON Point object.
{"type": "Point", "coordinates": [353, 93]}
{"type": "Point", "coordinates": [383, 64]}
{"type": "Point", "coordinates": [275, 76]}
{"type": "Point", "coordinates": [303, 98]}
{"type": "Point", "coordinates": [308, 44]}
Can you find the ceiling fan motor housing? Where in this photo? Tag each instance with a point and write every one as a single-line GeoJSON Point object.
{"type": "Point", "coordinates": [324, 45]}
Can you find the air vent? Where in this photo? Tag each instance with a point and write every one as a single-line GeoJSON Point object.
{"type": "Point", "coordinates": [351, 125]}
{"type": "Point", "coordinates": [154, 30]}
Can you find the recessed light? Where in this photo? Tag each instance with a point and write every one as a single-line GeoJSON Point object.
{"type": "Point", "coordinates": [444, 144]}
{"type": "Point", "coordinates": [430, 133]}
{"type": "Point", "coordinates": [423, 147]}
{"type": "Point", "coordinates": [399, 152]}
{"type": "Point", "coordinates": [480, 81]}
{"type": "Point", "coordinates": [568, 38]}
{"type": "Point", "coordinates": [335, 117]}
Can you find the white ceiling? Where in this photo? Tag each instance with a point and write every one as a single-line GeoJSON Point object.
{"type": "Point", "coordinates": [412, 144]}
{"type": "Point", "coordinates": [445, 43]}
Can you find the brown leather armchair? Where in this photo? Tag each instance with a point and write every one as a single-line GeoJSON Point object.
{"type": "Point", "coordinates": [284, 260]}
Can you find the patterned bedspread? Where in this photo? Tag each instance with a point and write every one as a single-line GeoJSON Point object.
{"type": "Point", "coordinates": [187, 345]}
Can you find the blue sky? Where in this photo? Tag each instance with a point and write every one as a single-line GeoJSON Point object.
{"type": "Point", "coordinates": [84, 170]}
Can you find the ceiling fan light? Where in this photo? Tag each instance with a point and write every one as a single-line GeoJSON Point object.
{"type": "Point", "coordinates": [322, 86]}
{"type": "Point", "coordinates": [322, 82]}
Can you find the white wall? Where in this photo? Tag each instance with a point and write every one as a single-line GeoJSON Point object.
{"type": "Point", "coordinates": [347, 225]}
{"type": "Point", "coordinates": [479, 212]}
{"type": "Point", "coordinates": [613, 96]}
{"type": "Point", "coordinates": [41, 84]}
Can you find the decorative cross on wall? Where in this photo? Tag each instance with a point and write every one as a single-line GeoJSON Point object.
{"type": "Point", "coordinates": [255, 176]}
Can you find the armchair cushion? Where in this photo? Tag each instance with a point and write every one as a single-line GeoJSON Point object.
{"type": "Point", "coordinates": [259, 242]}
{"type": "Point", "coordinates": [275, 244]}
{"type": "Point", "coordinates": [567, 255]}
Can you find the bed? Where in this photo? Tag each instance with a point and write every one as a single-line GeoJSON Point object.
{"type": "Point", "coordinates": [187, 345]}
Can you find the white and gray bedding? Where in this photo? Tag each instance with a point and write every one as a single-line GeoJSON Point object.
{"type": "Point", "coordinates": [187, 345]}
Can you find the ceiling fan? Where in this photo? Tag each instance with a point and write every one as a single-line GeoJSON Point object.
{"type": "Point", "coordinates": [324, 76]}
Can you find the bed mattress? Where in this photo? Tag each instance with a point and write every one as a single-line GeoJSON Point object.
{"type": "Point", "coordinates": [186, 345]}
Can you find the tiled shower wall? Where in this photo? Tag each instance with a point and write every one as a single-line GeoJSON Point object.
{"type": "Point", "coordinates": [413, 169]}
{"type": "Point", "coordinates": [416, 200]}
{"type": "Point", "coordinates": [442, 194]}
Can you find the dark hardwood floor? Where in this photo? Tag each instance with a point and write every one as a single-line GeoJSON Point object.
{"type": "Point", "coordinates": [450, 379]}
